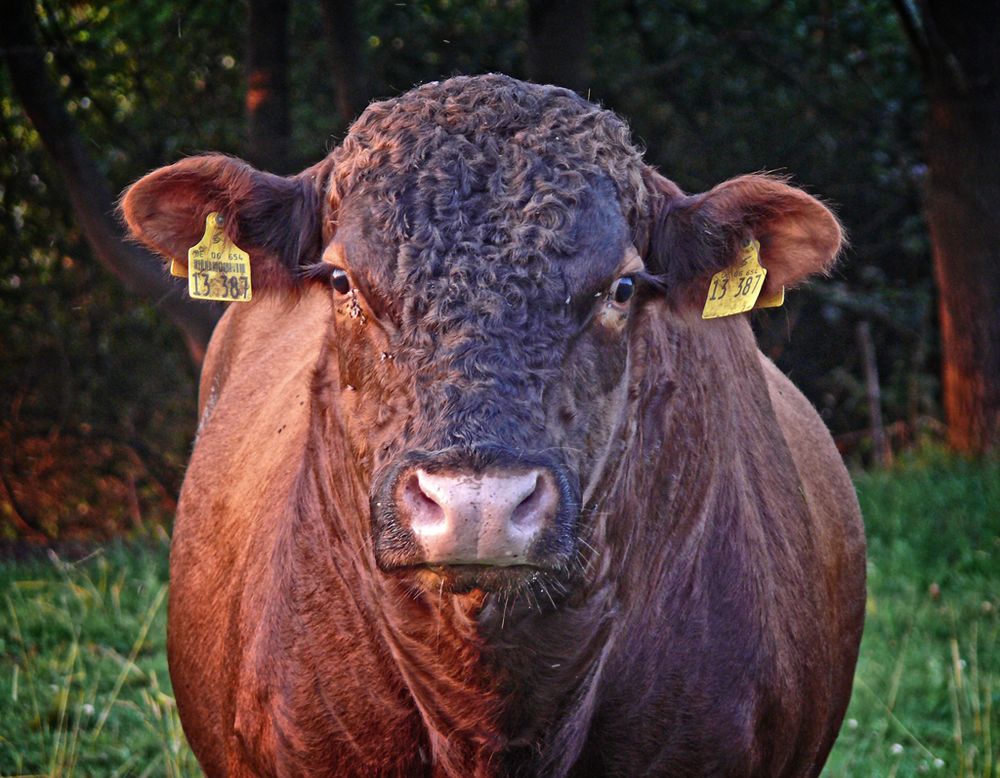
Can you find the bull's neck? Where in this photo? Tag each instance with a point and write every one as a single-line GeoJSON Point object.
{"type": "Point", "coordinates": [700, 489]}
{"type": "Point", "coordinates": [446, 663]}
{"type": "Point", "coordinates": [404, 661]}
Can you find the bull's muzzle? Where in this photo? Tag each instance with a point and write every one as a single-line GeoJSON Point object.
{"type": "Point", "coordinates": [443, 513]}
{"type": "Point", "coordinates": [492, 518]}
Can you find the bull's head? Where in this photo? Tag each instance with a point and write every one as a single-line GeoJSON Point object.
{"type": "Point", "coordinates": [489, 247]}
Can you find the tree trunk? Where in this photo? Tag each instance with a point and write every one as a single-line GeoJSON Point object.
{"type": "Point", "coordinates": [963, 208]}
{"type": "Point", "coordinates": [141, 272]}
{"type": "Point", "coordinates": [347, 62]}
{"type": "Point", "coordinates": [269, 124]}
{"type": "Point", "coordinates": [558, 36]}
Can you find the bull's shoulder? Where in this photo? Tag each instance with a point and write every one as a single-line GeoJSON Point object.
{"type": "Point", "coordinates": [835, 516]}
{"type": "Point", "coordinates": [821, 470]}
{"type": "Point", "coordinates": [809, 440]}
{"type": "Point", "coordinates": [251, 442]}
{"type": "Point", "coordinates": [836, 524]}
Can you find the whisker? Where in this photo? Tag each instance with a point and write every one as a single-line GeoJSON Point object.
{"type": "Point", "coordinates": [586, 562]}
{"type": "Point", "coordinates": [542, 585]}
{"type": "Point", "coordinates": [440, 615]}
{"type": "Point", "coordinates": [559, 449]}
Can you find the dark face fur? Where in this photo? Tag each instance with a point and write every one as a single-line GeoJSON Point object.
{"type": "Point", "coordinates": [483, 274]}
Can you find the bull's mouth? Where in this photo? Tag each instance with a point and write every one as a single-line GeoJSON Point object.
{"type": "Point", "coordinates": [490, 579]}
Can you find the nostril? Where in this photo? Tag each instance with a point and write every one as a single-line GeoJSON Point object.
{"type": "Point", "coordinates": [527, 508]}
{"type": "Point", "coordinates": [422, 509]}
{"type": "Point", "coordinates": [539, 506]}
{"type": "Point", "coordinates": [422, 496]}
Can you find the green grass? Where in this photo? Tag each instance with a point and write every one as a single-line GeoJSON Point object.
{"type": "Point", "coordinates": [927, 691]}
{"type": "Point", "coordinates": [84, 689]}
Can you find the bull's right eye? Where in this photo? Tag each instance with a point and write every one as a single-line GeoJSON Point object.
{"type": "Point", "coordinates": [339, 281]}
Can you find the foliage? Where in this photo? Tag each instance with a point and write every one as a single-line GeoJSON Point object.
{"type": "Point", "coordinates": [84, 682]}
{"type": "Point", "coordinates": [82, 643]}
{"type": "Point", "coordinates": [824, 91]}
{"type": "Point", "coordinates": [97, 393]}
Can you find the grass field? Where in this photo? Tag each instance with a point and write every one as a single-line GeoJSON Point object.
{"type": "Point", "coordinates": [84, 689]}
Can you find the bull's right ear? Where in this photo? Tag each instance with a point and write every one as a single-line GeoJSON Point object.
{"type": "Point", "coordinates": [277, 220]}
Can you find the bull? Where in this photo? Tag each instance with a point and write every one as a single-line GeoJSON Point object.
{"type": "Point", "coordinates": [477, 490]}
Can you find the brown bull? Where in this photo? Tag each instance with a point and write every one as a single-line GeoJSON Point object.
{"type": "Point", "coordinates": [477, 490]}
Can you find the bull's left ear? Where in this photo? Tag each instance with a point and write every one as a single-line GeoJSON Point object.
{"type": "Point", "coordinates": [695, 236]}
{"type": "Point", "coordinates": [277, 220]}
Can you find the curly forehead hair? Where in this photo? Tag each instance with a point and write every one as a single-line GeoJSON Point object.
{"type": "Point", "coordinates": [494, 134]}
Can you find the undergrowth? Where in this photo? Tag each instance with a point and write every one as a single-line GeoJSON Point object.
{"type": "Point", "coordinates": [84, 689]}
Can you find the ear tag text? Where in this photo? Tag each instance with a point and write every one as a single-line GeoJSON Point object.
{"type": "Point", "coordinates": [217, 268]}
{"type": "Point", "coordinates": [737, 288]}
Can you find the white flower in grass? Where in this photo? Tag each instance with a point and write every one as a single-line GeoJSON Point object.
{"type": "Point", "coordinates": [852, 723]}
{"type": "Point", "coordinates": [896, 749]}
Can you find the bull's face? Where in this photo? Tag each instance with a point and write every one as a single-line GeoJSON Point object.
{"type": "Point", "coordinates": [483, 272]}
{"type": "Point", "coordinates": [483, 369]}
{"type": "Point", "coordinates": [486, 246]}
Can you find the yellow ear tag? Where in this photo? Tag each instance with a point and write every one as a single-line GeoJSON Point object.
{"type": "Point", "coordinates": [218, 269]}
{"type": "Point", "coordinates": [775, 300]}
{"type": "Point", "coordinates": [736, 289]}
{"type": "Point", "coordinates": [177, 269]}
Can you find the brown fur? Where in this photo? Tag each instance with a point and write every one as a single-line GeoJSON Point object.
{"type": "Point", "coordinates": [701, 613]}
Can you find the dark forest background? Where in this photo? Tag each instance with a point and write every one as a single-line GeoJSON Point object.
{"type": "Point", "coordinates": [887, 109]}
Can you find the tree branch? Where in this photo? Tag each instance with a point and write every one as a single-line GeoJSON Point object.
{"type": "Point", "coordinates": [944, 64]}
{"type": "Point", "coordinates": [138, 270]}
{"type": "Point", "coordinates": [914, 35]}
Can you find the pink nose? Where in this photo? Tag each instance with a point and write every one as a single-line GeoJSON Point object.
{"type": "Point", "coordinates": [488, 519]}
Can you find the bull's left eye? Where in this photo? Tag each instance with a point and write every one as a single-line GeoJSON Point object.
{"type": "Point", "coordinates": [339, 280]}
{"type": "Point", "coordinates": [622, 289]}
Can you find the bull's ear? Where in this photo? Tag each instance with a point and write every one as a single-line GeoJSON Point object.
{"type": "Point", "coordinates": [695, 236]}
{"type": "Point", "coordinates": [277, 220]}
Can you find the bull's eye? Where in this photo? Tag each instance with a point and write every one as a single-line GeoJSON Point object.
{"type": "Point", "coordinates": [339, 280]}
{"type": "Point", "coordinates": [622, 289]}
